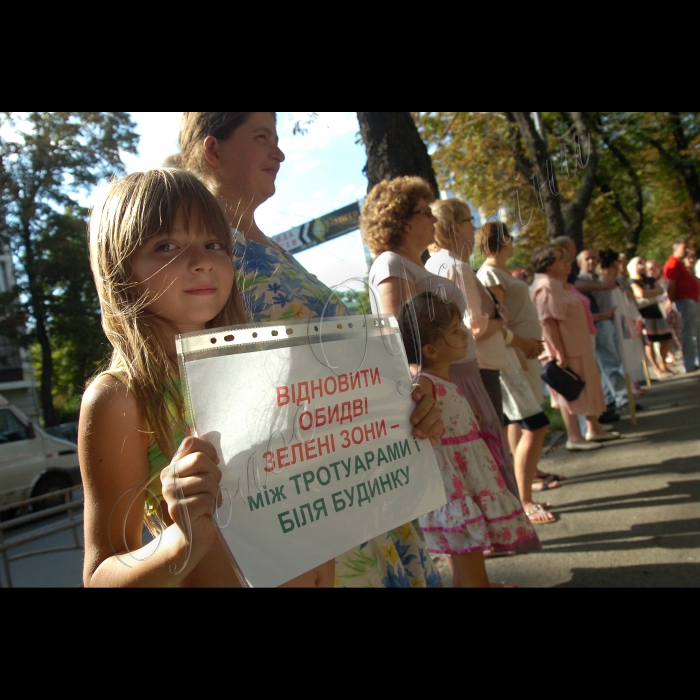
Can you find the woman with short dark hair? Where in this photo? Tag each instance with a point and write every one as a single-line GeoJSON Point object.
{"type": "Point", "coordinates": [568, 343]}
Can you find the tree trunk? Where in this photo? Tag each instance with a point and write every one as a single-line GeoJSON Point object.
{"type": "Point", "coordinates": [46, 389]}
{"type": "Point", "coordinates": [394, 148]}
{"type": "Point", "coordinates": [38, 312]}
{"type": "Point", "coordinates": [574, 212]}
{"type": "Point", "coordinates": [542, 175]}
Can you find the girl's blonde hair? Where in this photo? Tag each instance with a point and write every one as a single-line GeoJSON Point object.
{"type": "Point", "coordinates": [135, 209]}
{"type": "Point", "coordinates": [449, 212]}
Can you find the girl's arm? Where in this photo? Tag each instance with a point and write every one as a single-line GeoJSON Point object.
{"type": "Point", "coordinates": [113, 446]}
{"type": "Point", "coordinates": [552, 335]}
{"type": "Point", "coordinates": [495, 325]}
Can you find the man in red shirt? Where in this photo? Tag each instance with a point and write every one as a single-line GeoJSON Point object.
{"type": "Point", "coordinates": [684, 291]}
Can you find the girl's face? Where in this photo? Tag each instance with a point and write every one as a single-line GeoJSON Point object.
{"type": "Point", "coordinates": [453, 346]}
{"type": "Point", "coordinates": [421, 228]}
{"type": "Point", "coordinates": [249, 161]}
{"type": "Point", "coordinates": [186, 276]}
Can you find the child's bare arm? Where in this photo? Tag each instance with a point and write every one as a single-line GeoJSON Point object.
{"type": "Point", "coordinates": [113, 447]}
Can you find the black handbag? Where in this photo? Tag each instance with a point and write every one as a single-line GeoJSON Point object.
{"type": "Point", "coordinates": [564, 381]}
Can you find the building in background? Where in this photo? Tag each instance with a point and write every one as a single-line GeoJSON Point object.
{"type": "Point", "coordinates": [17, 380]}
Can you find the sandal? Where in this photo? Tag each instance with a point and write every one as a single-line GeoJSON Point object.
{"type": "Point", "coordinates": [543, 476]}
{"type": "Point", "coordinates": [540, 485]}
{"type": "Point", "coordinates": [539, 516]}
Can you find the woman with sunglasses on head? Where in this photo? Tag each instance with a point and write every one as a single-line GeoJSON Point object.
{"type": "Point", "coordinates": [238, 157]}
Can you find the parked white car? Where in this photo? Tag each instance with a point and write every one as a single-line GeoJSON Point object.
{"type": "Point", "coordinates": [32, 463]}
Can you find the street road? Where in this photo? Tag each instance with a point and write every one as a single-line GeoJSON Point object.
{"type": "Point", "coordinates": [629, 513]}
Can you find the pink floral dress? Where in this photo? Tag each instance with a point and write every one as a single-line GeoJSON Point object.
{"type": "Point", "coordinates": [481, 514]}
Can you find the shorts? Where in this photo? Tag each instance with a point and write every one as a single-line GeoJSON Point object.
{"type": "Point", "coordinates": [532, 423]}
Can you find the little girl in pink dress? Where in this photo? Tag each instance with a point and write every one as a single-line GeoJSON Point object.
{"type": "Point", "coordinates": [481, 514]}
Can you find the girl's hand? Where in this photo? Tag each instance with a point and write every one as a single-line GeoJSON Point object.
{"type": "Point", "coordinates": [191, 488]}
{"type": "Point", "coordinates": [562, 360]}
{"type": "Point", "coordinates": [426, 418]}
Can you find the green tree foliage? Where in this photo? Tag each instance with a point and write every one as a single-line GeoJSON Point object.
{"type": "Point", "coordinates": [646, 189]}
{"type": "Point", "coordinates": [356, 302]}
{"type": "Point", "coordinates": [52, 161]}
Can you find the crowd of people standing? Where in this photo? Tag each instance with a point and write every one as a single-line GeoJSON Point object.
{"type": "Point", "coordinates": [593, 313]}
{"type": "Point", "coordinates": [178, 250]}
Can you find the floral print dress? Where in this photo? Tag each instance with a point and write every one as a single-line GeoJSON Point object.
{"type": "Point", "coordinates": [275, 287]}
{"type": "Point", "coordinates": [481, 514]}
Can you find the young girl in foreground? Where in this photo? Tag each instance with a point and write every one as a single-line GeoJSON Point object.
{"type": "Point", "coordinates": [481, 515]}
{"type": "Point", "coordinates": [161, 254]}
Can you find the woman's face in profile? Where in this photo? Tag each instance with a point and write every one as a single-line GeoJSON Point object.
{"type": "Point", "coordinates": [250, 160]}
{"type": "Point", "coordinates": [561, 268]}
{"type": "Point", "coordinates": [421, 227]}
{"type": "Point", "coordinates": [465, 231]}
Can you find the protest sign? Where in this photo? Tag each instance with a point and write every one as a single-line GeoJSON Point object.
{"type": "Point", "coordinates": [312, 424]}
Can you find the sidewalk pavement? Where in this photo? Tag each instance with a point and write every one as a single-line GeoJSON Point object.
{"type": "Point", "coordinates": [629, 514]}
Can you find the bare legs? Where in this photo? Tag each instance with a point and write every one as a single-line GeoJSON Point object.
{"type": "Point", "coordinates": [594, 426]}
{"type": "Point", "coordinates": [526, 456]}
{"type": "Point", "coordinates": [665, 350]}
{"type": "Point", "coordinates": [651, 356]}
{"type": "Point", "coordinates": [469, 570]}
{"type": "Point", "coordinates": [573, 429]}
